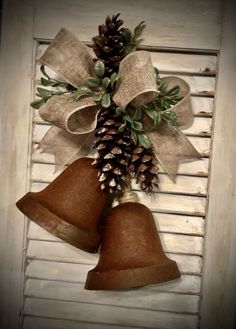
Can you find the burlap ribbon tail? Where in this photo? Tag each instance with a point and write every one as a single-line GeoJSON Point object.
{"type": "Point", "coordinates": [74, 122]}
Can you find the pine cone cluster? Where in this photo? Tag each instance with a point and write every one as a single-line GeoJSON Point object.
{"type": "Point", "coordinates": [117, 156]}
{"type": "Point", "coordinates": [113, 151]}
{"type": "Point", "coordinates": [109, 44]}
{"type": "Point", "coordinates": [144, 167]}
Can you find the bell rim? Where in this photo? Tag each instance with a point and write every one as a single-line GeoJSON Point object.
{"type": "Point", "coordinates": [56, 225]}
{"type": "Point", "coordinates": [132, 278]}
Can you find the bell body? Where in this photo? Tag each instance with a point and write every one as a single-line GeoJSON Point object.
{"type": "Point", "coordinates": [131, 252]}
{"type": "Point", "coordinates": [70, 206]}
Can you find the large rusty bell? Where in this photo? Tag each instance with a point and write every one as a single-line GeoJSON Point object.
{"type": "Point", "coordinates": [71, 206]}
{"type": "Point", "coordinates": [131, 251]}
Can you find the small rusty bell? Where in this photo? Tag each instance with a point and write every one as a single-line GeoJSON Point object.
{"type": "Point", "coordinates": [131, 251]}
{"type": "Point", "coordinates": [71, 206]}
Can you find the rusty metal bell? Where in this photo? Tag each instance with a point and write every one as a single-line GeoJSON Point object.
{"type": "Point", "coordinates": [70, 207]}
{"type": "Point", "coordinates": [131, 251]}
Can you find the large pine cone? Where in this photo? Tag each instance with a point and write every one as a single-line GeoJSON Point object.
{"type": "Point", "coordinates": [109, 44]}
{"type": "Point", "coordinates": [112, 151]}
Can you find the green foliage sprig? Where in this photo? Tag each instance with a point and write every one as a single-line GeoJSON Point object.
{"type": "Point", "coordinates": [132, 40]}
{"type": "Point", "coordinates": [100, 88]}
{"type": "Point", "coordinates": [135, 126]}
{"type": "Point", "coordinates": [159, 110]}
{"type": "Point", "coordinates": [44, 94]}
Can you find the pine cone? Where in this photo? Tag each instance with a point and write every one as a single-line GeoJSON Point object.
{"type": "Point", "coordinates": [109, 44]}
{"type": "Point", "coordinates": [144, 166]}
{"type": "Point", "coordinates": [113, 151]}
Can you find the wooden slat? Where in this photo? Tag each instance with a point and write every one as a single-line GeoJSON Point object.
{"type": "Point", "coordinates": [183, 184]}
{"type": "Point", "coordinates": [168, 203]}
{"type": "Point", "coordinates": [195, 168]}
{"type": "Point", "coordinates": [201, 126]}
{"type": "Point", "coordinates": [166, 223]}
{"type": "Point", "coordinates": [202, 106]}
{"type": "Point", "coordinates": [109, 314]}
{"type": "Point", "coordinates": [15, 74]}
{"type": "Point", "coordinates": [194, 27]}
{"type": "Point", "coordinates": [62, 252]}
{"type": "Point", "coordinates": [136, 298]}
{"type": "Point", "coordinates": [199, 85]}
{"type": "Point", "coordinates": [38, 269]}
{"type": "Point", "coordinates": [47, 323]}
{"type": "Point", "coordinates": [219, 284]}
{"type": "Point", "coordinates": [172, 242]}
{"type": "Point", "coordinates": [174, 203]}
{"type": "Point", "coordinates": [202, 145]}
{"type": "Point", "coordinates": [165, 61]}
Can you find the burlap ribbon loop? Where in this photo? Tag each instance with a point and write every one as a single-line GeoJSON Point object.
{"type": "Point", "coordinates": [171, 148]}
{"type": "Point", "coordinates": [75, 117]}
{"type": "Point", "coordinates": [137, 82]}
{"type": "Point", "coordinates": [74, 122]}
{"type": "Point", "coordinates": [69, 57]}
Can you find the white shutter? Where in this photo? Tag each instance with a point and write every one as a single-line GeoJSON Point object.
{"type": "Point", "coordinates": [48, 290]}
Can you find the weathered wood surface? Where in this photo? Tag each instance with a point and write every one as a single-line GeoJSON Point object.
{"type": "Point", "coordinates": [49, 323]}
{"type": "Point", "coordinates": [166, 223]}
{"type": "Point", "coordinates": [178, 210]}
{"type": "Point", "coordinates": [219, 285]}
{"type": "Point", "coordinates": [172, 242]}
{"type": "Point", "coordinates": [71, 272]}
{"type": "Point", "coordinates": [15, 74]}
{"type": "Point", "coordinates": [109, 314]}
{"type": "Point", "coordinates": [178, 24]}
{"type": "Point", "coordinates": [190, 63]}
{"type": "Point", "coordinates": [201, 127]}
{"type": "Point", "coordinates": [62, 252]}
{"type": "Point", "coordinates": [47, 173]}
{"type": "Point", "coordinates": [132, 298]}
{"type": "Point", "coordinates": [183, 184]}
{"type": "Point", "coordinates": [172, 203]}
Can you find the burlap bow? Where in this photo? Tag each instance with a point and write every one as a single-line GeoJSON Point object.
{"type": "Point", "coordinates": [74, 122]}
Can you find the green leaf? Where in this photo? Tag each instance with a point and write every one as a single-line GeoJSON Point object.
{"type": "Point", "coordinates": [127, 117]}
{"type": "Point", "coordinates": [158, 120]}
{"type": "Point", "coordinates": [37, 103]}
{"type": "Point", "coordinates": [139, 29]}
{"type": "Point", "coordinates": [105, 82]}
{"type": "Point", "coordinates": [46, 82]}
{"type": "Point", "coordinates": [173, 91]}
{"type": "Point", "coordinates": [130, 48]}
{"type": "Point", "coordinates": [122, 128]}
{"type": "Point", "coordinates": [44, 93]}
{"type": "Point", "coordinates": [126, 34]}
{"type": "Point", "coordinates": [134, 136]}
{"type": "Point", "coordinates": [152, 113]}
{"type": "Point", "coordinates": [158, 78]}
{"type": "Point", "coordinates": [144, 140]}
{"type": "Point", "coordinates": [106, 100]}
{"type": "Point", "coordinates": [42, 69]}
{"type": "Point", "coordinates": [120, 110]}
{"type": "Point", "coordinates": [99, 68]}
{"type": "Point", "coordinates": [138, 114]}
{"type": "Point", "coordinates": [92, 82]}
{"type": "Point", "coordinates": [97, 96]}
{"type": "Point", "coordinates": [137, 126]}
{"type": "Point", "coordinates": [113, 78]}
{"type": "Point", "coordinates": [83, 91]}
{"type": "Point", "coordinates": [163, 87]}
